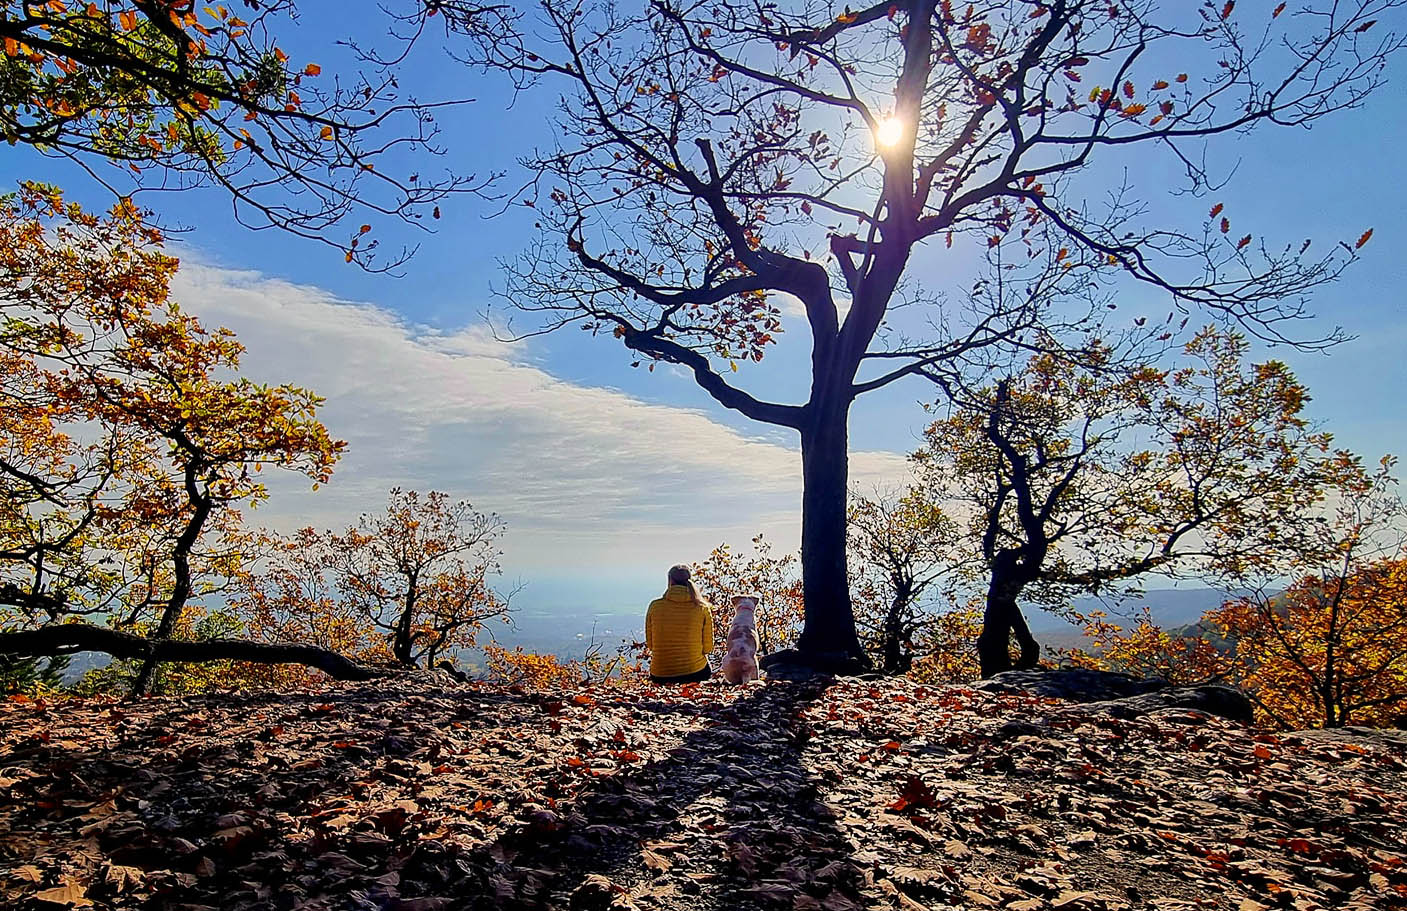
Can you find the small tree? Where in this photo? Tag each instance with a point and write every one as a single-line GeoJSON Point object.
{"type": "Point", "coordinates": [1086, 476]}
{"type": "Point", "coordinates": [946, 650]}
{"type": "Point", "coordinates": [31, 675]}
{"type": "Point", "coordinates": [1330, 650]}
{"type": "Point", "coordinates": [902, 545]}
{"type": "Point", "coordinates": [713, 161]}
{"type": "Point", "coordinates": [289, 594]}
{"type": "Point", "coordinates": [727, 572]}
{"type": "Point", "coordinates": [420, 573]}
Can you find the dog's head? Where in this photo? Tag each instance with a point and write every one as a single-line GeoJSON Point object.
{"type": "Point", "coordinates": [743, 611]}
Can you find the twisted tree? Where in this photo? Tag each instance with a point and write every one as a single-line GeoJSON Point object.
{"type": "Point", "coordinates": [129, 439]}
{"type": "Point", "coordinates": [718, 161]}
{"type": "Point", "coordinates": [1085, 480]}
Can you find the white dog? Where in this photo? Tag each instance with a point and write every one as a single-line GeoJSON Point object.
{"type": "Point", "coordinates": [740, 663]}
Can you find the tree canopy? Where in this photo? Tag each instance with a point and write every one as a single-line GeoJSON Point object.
{"type": "Point", "coordinates": [716, 162]}
{"type": "Point", "coordinates": [177, 94]}
{"type": "Point", "coordinates": [1088, 477]}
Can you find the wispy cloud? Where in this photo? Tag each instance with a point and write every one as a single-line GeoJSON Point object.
{"type": "Point", "coordinates": [587, 477]}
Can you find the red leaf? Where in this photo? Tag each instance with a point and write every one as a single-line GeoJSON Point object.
{"type": "Point", "coordinates": [1278, 10]}
{"type": "Point", "coordinates": [1216, 210]}
{"type": "Point", "coordinates": [1128, 89]}
{"type": "Point", "coordinates": [1241, 244]}
{"type": "Point", "coordinates": [1365, 26]}
{"type": "Point", "coordinates": [1363, 239]}
{"type": "Point", "coordinates": [914, 794]}
{"type": "Point", "coordinates": [1226, 10]}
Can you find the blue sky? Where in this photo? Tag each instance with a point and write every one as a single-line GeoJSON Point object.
{"type": "Point", "coordinates": [607, 474]}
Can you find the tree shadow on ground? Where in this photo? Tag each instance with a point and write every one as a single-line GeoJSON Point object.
{"type": "Point", "coordinates": [294, 801]}
{"type": "Point", "coordinates": [730, 817]}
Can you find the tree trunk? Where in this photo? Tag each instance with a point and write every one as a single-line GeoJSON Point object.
{"type": "Point", "coordinates": [828, 634]}
{"type": "Point", "coordinates": [402, 642]}
{"type": "Point", "coordinates": [181, 567]}
{"type": "Point", "coordinates": [896, 660]}
{"type": "Point", "coordinates": [69, 637]}
{"type": "Point", "coordinates": [1003, 618]}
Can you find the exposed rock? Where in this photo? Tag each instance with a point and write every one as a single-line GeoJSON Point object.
{"type": "Point", "coordinates": [1123, 695]}
{"type": "Point", "coordinates": [1380, 737]}
{"type": "Point", "coordinates": [791, 664]}
{"type": "Point", "coordinates": [1222, 701]}
{"type": "Point", "coordinates": [1072, 684]}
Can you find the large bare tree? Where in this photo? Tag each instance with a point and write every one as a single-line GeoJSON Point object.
{"type": "Point", "coordinates": [717, 160]}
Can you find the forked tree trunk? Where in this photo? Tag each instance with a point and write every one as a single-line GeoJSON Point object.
{"type": "Point", "coordinates": [828, 634]}
{"type": "Point", "coordinates": [403, 642]}
{"type": "Point", "coordinates": [896, 658]}
{"type": "Point", "coordinates": [1001, 620]}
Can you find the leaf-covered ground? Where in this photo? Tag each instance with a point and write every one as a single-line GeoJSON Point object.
{"type": "Point", "coordinates": [420, 795]}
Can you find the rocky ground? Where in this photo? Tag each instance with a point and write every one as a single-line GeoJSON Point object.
{"type": "Point", "coordinates": [423, 794]}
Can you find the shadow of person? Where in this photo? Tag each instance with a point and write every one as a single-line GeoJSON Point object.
{"type": "Point", "coordinates": [731, 813]}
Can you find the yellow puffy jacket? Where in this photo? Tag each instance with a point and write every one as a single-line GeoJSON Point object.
{"type": "Point", "coordinates": [679, 632]}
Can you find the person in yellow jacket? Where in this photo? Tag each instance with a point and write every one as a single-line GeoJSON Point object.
{"type": "Point", "coordinates": [679, 632]}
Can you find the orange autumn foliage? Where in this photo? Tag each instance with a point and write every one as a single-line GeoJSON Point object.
{"type": "Point", "coordinates": [129, 439]}
{"type": "Point", "coordinates": [535, 670]}
{"type": "Point", "coordinates": [1329, 651]}
{"type": "Point", "coordinates": [410, 585]}
{"type": "Point", "coordinates": [1147, 650]}
{"type": "Point", "coordinates": [946, 649]}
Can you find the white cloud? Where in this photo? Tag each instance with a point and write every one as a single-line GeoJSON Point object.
{"type": "Point", "coordinates": [792, 306]}
{"type": "Point", "coordinates": [588, 478]}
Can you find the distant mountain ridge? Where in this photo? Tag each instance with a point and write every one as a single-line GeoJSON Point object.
{"type": "Point", "coordinates": [568, 634]}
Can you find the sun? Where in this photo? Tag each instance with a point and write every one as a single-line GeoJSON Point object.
{"type": "Point", "coordinates": [889, 133]}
